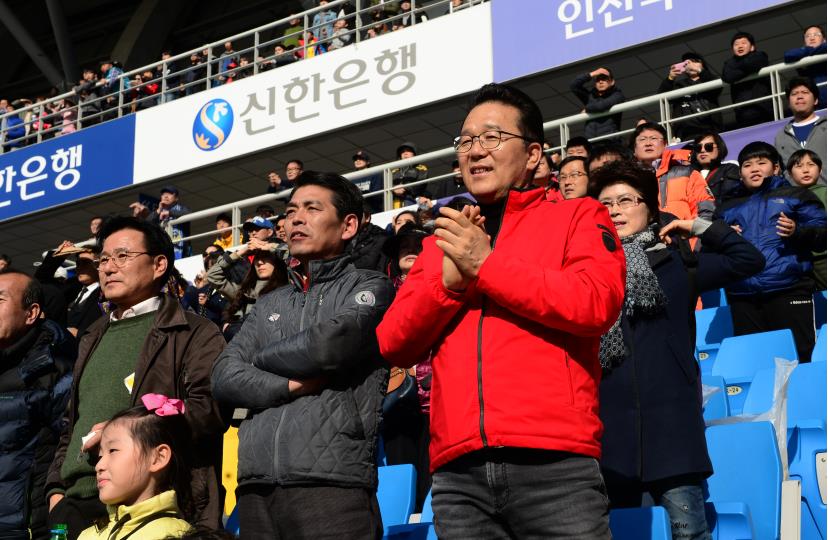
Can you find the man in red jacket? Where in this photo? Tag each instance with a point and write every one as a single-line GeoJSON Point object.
{"type": "Point", "coordinates": [510, 299]}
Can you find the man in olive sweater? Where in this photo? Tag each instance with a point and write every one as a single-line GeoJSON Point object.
{"type": "Point", "coordinates": [147, 344]}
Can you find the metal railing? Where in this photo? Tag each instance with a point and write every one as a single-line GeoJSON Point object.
{"type": "Point", "coordinates": [118, 93]}
{"type": "Point", "coordinates": [562, 125]}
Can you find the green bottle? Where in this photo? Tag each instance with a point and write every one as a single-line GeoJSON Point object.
{"type": "Point", "coordinates": [59, 532]}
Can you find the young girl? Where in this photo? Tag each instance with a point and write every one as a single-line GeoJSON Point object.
{"type": "Point", "coordinates": [804, 168]}
{"type": "Point", "coordinates": [142, 472]}
{"type": "Point", "coordinates": [786, 223]}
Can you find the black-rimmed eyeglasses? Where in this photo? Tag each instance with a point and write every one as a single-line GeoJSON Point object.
{"type": "Point", "coordinates": [489, 140]}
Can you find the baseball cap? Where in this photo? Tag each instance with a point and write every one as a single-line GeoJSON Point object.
{"type": "Point", "coordinates": [361, 155]}
{"type": "Point", "coordinates": [258, 222]}
{"type": "Point", "coordinates": [170, 189]}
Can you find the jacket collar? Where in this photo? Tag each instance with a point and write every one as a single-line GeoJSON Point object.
{"type": "Point", "coordinates": [320, 271]}
{"type": "Point", "coordinates": [520, 199]}
{"type": "Point", "coordinates": [163, 502]}
{"type": "Point", "coordinates": [789, 125]}
{"type": "Point", "coordinates": [672, 157]}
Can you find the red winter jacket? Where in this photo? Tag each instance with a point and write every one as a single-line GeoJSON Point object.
{"type": "Point", "coordinates": [515, 356]}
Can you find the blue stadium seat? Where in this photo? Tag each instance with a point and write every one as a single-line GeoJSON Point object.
{"type": "Point", "coordinates": [807, 394]}
{"type": "Point", "coordinates": [716, 406]}
{"type": "Point", "coordinates": [820, 308]}
{"type": "Point", "coordinates": [232, 525]}
{"type": "Point", "coordinates": [740, 357]}
{"type": "Point", "coordinates": [395, 493]}
{"type": "Point", "coordinates": [712, 326]}
{"type": "Point", "coordinates": [745, 490]}
{"type": "Point", "coordinates": [759, 397]}
{"type": "Point", "coordinates": [714, 298]}
{"type": "Point", "coordinates": [821, 347]}
{"type": "Point", "coordinates": [424, 530]}
{"type": "Point", "coordinates": [651, 523]}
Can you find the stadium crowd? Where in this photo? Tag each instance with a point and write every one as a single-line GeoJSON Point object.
{"type": "Point", "coordinates": [527, 381]}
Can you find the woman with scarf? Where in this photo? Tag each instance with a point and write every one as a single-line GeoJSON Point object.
{"type": "Point", "coordinates": [650, 394]}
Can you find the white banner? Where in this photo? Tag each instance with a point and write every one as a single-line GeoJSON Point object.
{"type": "Point", "coordinates": [441, 58]}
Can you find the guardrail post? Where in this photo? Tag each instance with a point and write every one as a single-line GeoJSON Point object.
{"type": "Point", "coordinates": [164, 81]}
{"type": "Point", "coordinates": [80, 115]}
{"type": "Point", "coordinates": [255, 53]}
{"type": "Point", "coordinates": [413, 12]}
{"type": "Point", "coordinates": [121, 96]}
{"type": "Point", "coordinates": [357, 21]}
{"type": "Point", "coordinates": [304, 34]}
{"type": "Point", "coordinates": [209, 61]}
{"type": "Point", "coordinates": [40, 115]}
{"type": "Point", "coordinates": [387, 184]}
{"type": "Point", "coordinates": [236, 215]}
{"type": "Point", "coordinates": [665, 107]}
{"type": "Point", "coordinates": [3, 133]}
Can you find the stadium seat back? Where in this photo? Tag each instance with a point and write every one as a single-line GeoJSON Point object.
{"type": "Point", "coordinates": [747, 469]}
{"type": "Point", "coordinates": [395, 493]}
{"type": "Point", "coordinates": [807, 393]}
{"type": "Point", "coordinates": [759, 398]}
{"type": "Point", "coordinates": [741, 357]}
{"type": "Point", "coordinates": [716, 406]}
{"type": "Point", "coordinates": [650, 523]}
{"type": "Point", "coordinates": [712, 326]}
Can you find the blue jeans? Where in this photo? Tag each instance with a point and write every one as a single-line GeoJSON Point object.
{"type": "Point", "coordinates": [682, 498]}
{"type": "Point", "coordinates": [520, 493]}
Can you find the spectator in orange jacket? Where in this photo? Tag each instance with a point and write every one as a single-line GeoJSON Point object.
{"type": "Point", "coordinates": [682, 191]}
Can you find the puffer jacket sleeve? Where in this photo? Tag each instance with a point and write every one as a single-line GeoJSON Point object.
{"type": "Point", "coordinates": [701, 200]}
{"type": "Point", "coordinates": [337, 343]}
{"type": "Point", "coordinates": [584, 296]}
{"type": "Point", "coordinates": [726, 257]}
{"type": "Point", "coordinates": [218, 276]}
{"type": "Point", "coordinates": [420, 312]}
{"type": "Point", "coordinates": [236, 382]}
{"type": "Point", "coordinates": [810, 222]}
{"type": "Point", "coordinates": [599, 104]}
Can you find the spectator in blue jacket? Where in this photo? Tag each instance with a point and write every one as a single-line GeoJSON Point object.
{"type": "Point", "coordinates": [15, 130]}
{"type": "Point", "coordinates": [786, 223]}
{"type": "Point", "coordinates": [600, 98]}
{"type": "Point", "coordinates": [814, 44]}
{"type": "Point", "coordinates": [323, 27]}
{"type": "Point", "coordinates": [36, 358]}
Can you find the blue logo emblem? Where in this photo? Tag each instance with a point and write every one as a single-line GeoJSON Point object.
{"type": "Point", "coordinates": [212, 125]}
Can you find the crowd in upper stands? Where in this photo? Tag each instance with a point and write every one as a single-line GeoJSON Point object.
{"type": "Point", "coordinates": [678, 221]}
{"type": "Point", "coordinates": [95, 97]}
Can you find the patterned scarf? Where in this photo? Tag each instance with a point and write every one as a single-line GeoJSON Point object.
{"type": "Point", "coordinates": [642, 294]}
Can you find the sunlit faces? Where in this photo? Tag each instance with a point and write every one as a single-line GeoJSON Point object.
{"type": "Point", "coordinates": [626, 208]}
{"type": "Point", "coordinates": [313, 228]}
{"type": "Point", "coordinates": [125, 472]}
{"type": "Point", "coordinates": [489, 173]}
{"type": "Point", "coordinates": [706, 154]}
{"type": "Point", "coordinates": [742, 46]}
{"type": "Point", "coordinates": [135, 280]}
{"type": "Point", "coordinates": [13, 316]}
{"type": "Point", "coordinates": [573, 180]}
{"type": "Point", "coordinates": [649, 145]}
{"type": "Point", "coordinates": [802, 102]}
{"type": "Point", "coordinates": [410, 248]}
{"type": "Point", "coordinates": [403, 218]}
{"type": "Point", "coordinates": [755, 170]}
{"type": "Point", "coordinates": [264, 263]}
{"type": "Point", "coordinates": [805, 172]}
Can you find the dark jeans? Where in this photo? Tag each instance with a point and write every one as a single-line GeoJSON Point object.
{"type": "Point", "coordinates": [76, 514]}
{"type": "Point", "coordinates": [682, 497]}
{"type": "Point", "coordinates": [520, 493]}
{"type": "Point", "coordinates": [269, 512]}
{"type": "Point", "coordinates": [777, 311]}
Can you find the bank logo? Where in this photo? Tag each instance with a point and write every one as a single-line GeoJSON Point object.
{"type": "Point", "coordinates": [212, 125]}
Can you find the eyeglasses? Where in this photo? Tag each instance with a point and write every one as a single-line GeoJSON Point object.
{"type": "Point", "coordinates": [624, 202]}
{"type": "Point", "coordinates": [119, 258]}
{"type": "Point", "coordinates": [575, 175]}
{"type": "Point", "coordinates": [489, 140]}
{"type": "Point", "coordinates": [706, 147]}
{"type": "Point", "coordinates": [651, 138]}
{"type": "Point", "coordinates": [813, 34]}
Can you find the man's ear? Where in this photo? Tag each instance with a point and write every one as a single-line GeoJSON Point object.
{"type": "Point", "coordinates": [160, 264]}
{"type": "Point", "coordinates": [350, 227]}
{"type": "Point", "coordinates": [33, 313]}
{"type": "Point", "coordinates": [535, 154]}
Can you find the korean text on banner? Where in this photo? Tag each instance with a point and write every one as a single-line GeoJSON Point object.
{"type": "Point", "coordinates": [543, 35]}
{"type": "Point", "coordinates": [373, 78]}
{"type": "Point", "coordinates": [67, 168]}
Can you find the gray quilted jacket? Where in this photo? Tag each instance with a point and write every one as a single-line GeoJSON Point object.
{"type": "Point", "coordinates": [326, 329]}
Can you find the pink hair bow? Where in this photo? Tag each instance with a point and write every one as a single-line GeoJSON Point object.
{"type": "Point", "coordinates": [162, 405]}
